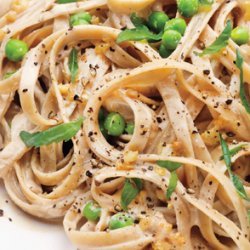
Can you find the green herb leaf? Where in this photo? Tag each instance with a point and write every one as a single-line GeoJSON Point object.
{"type": "Point", "coordinates": [220, 43]}
{"type": "Point", "coordinates": [66, 1]}
{"type": "Point", "coordinates": [62, 132]}
{"type": "Point", "coordinates": [239, 186]}
{"type": "Point", "coordinates": [130, 190]}
{"type": "Point", "coordinates": [226, 153]}
{"type": "Point", "coordinates": [234, 151]}
{"type": "Point", "coordinates": [138, 182]}
{"type": "Point", "coordinates": [243, 97]}
{"type": "Point", "coordinates": [234, 178]}
{"type": "Point", "coordinates": [248, 215]}
{"type": "Point", "coordinates": [73, 64]}
{"type": "Point", "coordinates": [137, 34]}
{"type": "Point", "coordinates": [206, 2]}
{"type": "Point", "coordinates": [8, 74]}
{"type": "Point", "coordinates": [136, 20]}
{"type": "Point", "coordinates": [169, 165]}
{"type": "Point", "coordinates": [172, 184]}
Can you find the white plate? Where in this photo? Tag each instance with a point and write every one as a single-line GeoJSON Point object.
{"type": "Point", "coordinates": [26, 232]}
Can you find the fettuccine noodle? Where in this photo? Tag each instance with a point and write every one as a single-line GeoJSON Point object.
{"type": "Point", "coordinates": [178, 105]}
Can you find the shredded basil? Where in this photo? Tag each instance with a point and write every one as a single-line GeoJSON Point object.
{"type": "Point", "coordinates": [73, 64]}
{"type": "Point", "coordinates": [226, 153]}
{"type": "Point", "coordinates": [138, 182]}
{"type": "Point", "coordinates": [234, 151]}
{"type": "Point", "coordinates": [130, 190]}
{"type": "Point", "coordinates": [234, 178]}
{"type": "Point", "coordinates": [243, 97]}
{"type": "Point", "coordinates": [172, 184]}
{"type": "Point", "coordinates": [169, 165]}
{"type": "Point", "coordinates": [62, 132]}
{"type": "Point", "coordinates": [206, 2]}
{"type": "Point", "coordinates": [239, 186]}
{"type": "Point", "coordinates": [66, 1]}
{"type": "Point", "coordinates": [220, 43]}
{"type": "Point", "coordinates": [137, 34]}
{"type": "Point", "coordinates": [8, 74]}
{"type": "Point", "coordinates": [136, 20]}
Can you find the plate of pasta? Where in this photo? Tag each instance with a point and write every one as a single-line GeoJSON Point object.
{"type": "Point", "coordinates": [125, 124]}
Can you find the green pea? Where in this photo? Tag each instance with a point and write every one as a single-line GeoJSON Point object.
{"type": "Point", "coordinates": [188, 8]}
{"type": "Point", "coordinates": [130, 127]}
{"type": "Point", "coordinates": [170, 39]}
{"type": "Point", "coordinates": [8, 74]}
{"type": "Point", "coordinates": [66, 1]}
{"type": "Point", "coordinates": [114, 124]}
{"type": "Point", "coordinates": [15, 50]}
{"type": "Point", "coordinates": [157, 20]}
{"type": "Point", "coordinates": [240, 35]}
{"type": "Point", "coordinates": [92, 211]}
{"type": "Point", "coordinates": [164, 53]}
{"type": "Point", "coordinates": [120, 220]}
{"type": "Point", "coordinates": [177, 24]}
{"type": "Point", "coordinates": [80, 18]}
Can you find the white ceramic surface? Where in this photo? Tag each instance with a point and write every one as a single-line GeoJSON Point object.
{"type": "Point", "coordinates": [26, 232]}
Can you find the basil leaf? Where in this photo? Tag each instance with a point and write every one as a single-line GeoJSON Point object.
{"type": "Point", "coordinates": [206, 2]}
{"type": "Point", "coordinates": [234, 151]}
{"type": "Point", "coordinates": [129, 192]}
{"type": "Point", "coordinates": [136, 20]}
{"type": "Point", "coordinates": [73, 64]}
{"type": "Point", "coordinates": [234, 178]}
{"type": "Point", "coordinates": [8, 74]}
{"type": "Point", "coordinates": [172, 184]}
{"type": "Point", "coordinates": [138, 183]}
{"type": "Point", "coordinates": [243, 97]}
{"type": "Point", "coordinates": [220, 43]}
{"type": "Point", "coordinates": [137, 34]}
{"type": "Point", "coordinates": [205, 5]}
{"type": "Point", "coordinates": [66, 1]}
{"type": "Point", "coordinates": [226, 153]}
{"type": "Point", "coordinates": [62, 132]}
{"type": "Point", "coordinates": [239, 186]}
{"type": "Point", "coordinates": [169, 165]}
